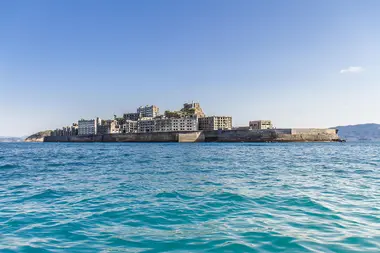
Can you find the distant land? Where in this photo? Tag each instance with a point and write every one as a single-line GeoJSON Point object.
{"type": "Point", "coordinates": [11, 139]}
{"type": "Point", "coordinates": [361, 132]}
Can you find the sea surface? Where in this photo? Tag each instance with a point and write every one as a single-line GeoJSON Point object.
{"type": "Point", "coordinates": [196, 197]}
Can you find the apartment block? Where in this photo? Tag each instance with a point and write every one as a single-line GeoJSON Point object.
{"type": "Point", "coordinates": [134, 116]}
{"type": "Point", "coordinates": [189, 123]}
{"type": "Point", "coordinates": [163, 125]}
{"type": "Point", "coordinates": [146, 125]}
{"type": "Point", "coordinates": [87, 127]}
{"type": "Point", "coordinates": [185, 124]}
{"type": "Point", "coordinates": [130, 126]}
{"type": "Point", "coordinates": [215, 123]}
{"type": "Point", "coordinates": [260, 124]}
{"type": "Point", "coordinates": [108, 127]}
{"type": "Point", "coordinates": [150, 111]}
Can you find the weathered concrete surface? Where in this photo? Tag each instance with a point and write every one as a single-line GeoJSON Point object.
{"type": "Point", "coordinates": [273, 135]}
{"type": "Point", "coordinates": [141, 137]}
{"type": "Point", "coordinates": [132, 137]}
{"type": "Point", "coordinates": [267, 135]}
{"type": "Point", "coordinates": [309, 135]}
{"type": "Point", "coordinates": [191, 137]}
{"type": "Point", "coordinates": [240, 136]}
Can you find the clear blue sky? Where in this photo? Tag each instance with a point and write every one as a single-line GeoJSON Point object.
{"type": "Point", "coordinates": [298, 63]}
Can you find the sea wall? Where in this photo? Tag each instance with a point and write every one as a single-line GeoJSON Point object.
{"type": "Point", "coordinates": [191, 137]}
{"type": "Point", "coordinates": [132, 137]}
{"type": "Point", "coordinates": [309, 134]}
{"type": "Point", "coordinates": [267, 135]}
{"type": "Point", "coordinates": [312, 131]}
{"type": "Point", "coordinates": [240, 136]}
{"type": "Point", "coordinates": [273, 135]}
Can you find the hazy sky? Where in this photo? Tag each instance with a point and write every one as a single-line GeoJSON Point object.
{"type": "Point", "coordinates": [298, 63]}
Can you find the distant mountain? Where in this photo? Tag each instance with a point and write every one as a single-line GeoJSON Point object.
{"type": "Point", "coordinates": [10, 139]}
{"type": "Point", "coordinates": [362, 132]}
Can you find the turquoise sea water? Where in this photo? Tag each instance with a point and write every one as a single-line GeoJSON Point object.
{"type": "Point", "coordinates": [142, 197]}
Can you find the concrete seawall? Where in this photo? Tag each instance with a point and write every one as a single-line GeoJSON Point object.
{"type": "Point", "coordinates": [132, 137]}
{"type": "Point", "coordinates": [268, 135]}
{"type": "Point", "coordinates": [309, 135]}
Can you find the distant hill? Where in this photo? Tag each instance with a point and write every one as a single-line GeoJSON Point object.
{"type": "Point", "coordinates": [362, 132]}
{"type": "Point", "coordinates": [10, 139]}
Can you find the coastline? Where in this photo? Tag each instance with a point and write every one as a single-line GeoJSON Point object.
{"type": "Point", "coordinates": [267, 135]}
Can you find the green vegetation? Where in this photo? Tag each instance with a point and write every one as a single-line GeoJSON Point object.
{"type": "Point", "coordinates": [178, 114]}
{"type": "Point", "coordinates": [190, 111]}
{"type": "Point", "coordinates": [120, 121]}
{"type": "Point", "coordinates": [172, 114]}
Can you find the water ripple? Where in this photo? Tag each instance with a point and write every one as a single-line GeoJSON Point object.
{"type": "Point", "coordinates": [204, 197]}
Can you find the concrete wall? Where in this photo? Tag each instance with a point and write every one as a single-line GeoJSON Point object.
{"type": "Point", "coordinates": [191, 137]}
{"type": "Point", "coordinates": [240, 135]}
{"type": "Point", "coordinates": [312, 131]}
{"type": "Point", "coordinates": [78, 138]}
{"type": "Point", "coordinates": [311, 134]}
{"type": "Point", "coordinates": [272, 135]}
{"type": "Point", "coordinates": [132, 137]}
{"type": "Point", "coordinates": [142, 137]}
{"type": "Point", "coordinates": [267, 135]}
{"type": "Point", "coordinates": [283, 131]}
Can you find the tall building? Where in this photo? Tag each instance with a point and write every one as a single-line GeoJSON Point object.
{"type": "Point", "coordinates": [87, 127]}
{"type": "Point", "coordinates": [260, 124]}
{"type": "Point", "coordinates": [150, 111]}
{"type": "Point", "coordinates": [215, 123]}
{"type": "Point", "coordinates": [132, 116]}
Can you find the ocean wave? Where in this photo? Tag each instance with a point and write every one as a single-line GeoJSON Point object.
{"type": "Point", "coordinates": [48, 194]}
{"type": "Point", "coordinates": [219, 198]}
{"type": "Point", "coordinates": [170, 195]}
{"type": "Point", "coordinates": [8, 166]}
{"type": "Point", "coordinates": [230, 197]}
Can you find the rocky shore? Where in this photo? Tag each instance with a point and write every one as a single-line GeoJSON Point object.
{"type": "Point", "coordinates": [38, 137]}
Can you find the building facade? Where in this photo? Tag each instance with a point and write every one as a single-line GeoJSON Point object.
{"type": "Point", "coordinates": [163, 124]}
{"type": "Point", "coordinates": [150, 111]}
{"type": "Point", "coordinates": [108, 127]}
{"type": "Point", "coordinates": [66, 131]}
{"type": "Point", "coordinates": [185, 124]}
{"type": "Point", "coordinates": [215, 123]}
{"type": "Point", "coordinates": [260, 124]}
{"type": "Point", "coordinates": [134, 116]}
{"type": "Point", "coordinates": [130, 126]}
{"type": "Point", "coordinates": [146, 125]}
{"type": "Point", "coordinates": [87, 127]}
{"type": "Point", "coordinates": [189, 123]}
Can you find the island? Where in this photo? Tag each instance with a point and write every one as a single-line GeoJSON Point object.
{"type": "Point", "coordinates": [189, 124]}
